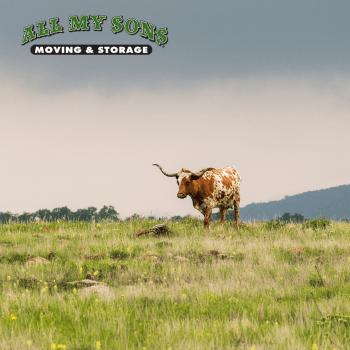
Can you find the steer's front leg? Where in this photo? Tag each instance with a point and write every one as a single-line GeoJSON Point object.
{"type": "Point", "coordinates": [207, 217]}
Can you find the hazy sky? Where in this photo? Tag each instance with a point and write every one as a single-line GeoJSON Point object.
{"type": "Point", "coordinates": [260, 85]}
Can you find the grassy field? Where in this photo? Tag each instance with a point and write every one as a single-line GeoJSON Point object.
{"type": "Point", "coordinates": [282, 288]}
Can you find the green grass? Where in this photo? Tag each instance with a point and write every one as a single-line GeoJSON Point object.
{"type": "Point", "coordinates": [269, 296]}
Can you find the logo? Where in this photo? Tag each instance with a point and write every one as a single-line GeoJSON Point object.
{"type": "Point", "coordinates": [131, 26]}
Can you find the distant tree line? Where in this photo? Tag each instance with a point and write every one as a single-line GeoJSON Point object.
{"type": "Point", "coordinates": [285, 217]}
{"type": "Point", "coordinates": [176, 218]}
{"type": "Point", "coordinates": [108, 212]}
{"type": "Point", "coordinates": [64, 213]}
{"type": "Point", "coordinates": [294, 218]}
{"type": "Point", "coordinates": [89, 214]}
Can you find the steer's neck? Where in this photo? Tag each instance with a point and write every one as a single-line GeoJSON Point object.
{"type": "Point", "coordinates": [196, 195]}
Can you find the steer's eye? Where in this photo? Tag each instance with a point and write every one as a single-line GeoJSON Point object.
{"type": "Point", "coordinates": [187, 183]}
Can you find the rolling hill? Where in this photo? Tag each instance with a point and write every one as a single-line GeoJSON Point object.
{"type": "Point", "coordinates": [332, 202]}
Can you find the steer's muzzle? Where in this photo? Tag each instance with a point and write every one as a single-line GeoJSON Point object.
{"type": "Point", "coordinates": [181, 195]}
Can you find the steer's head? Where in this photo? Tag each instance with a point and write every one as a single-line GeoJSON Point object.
{"type": "Point", "coordinates": [184, 179]}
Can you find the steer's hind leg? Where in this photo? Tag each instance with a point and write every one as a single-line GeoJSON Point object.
{"type": "Point", "coordinates": [236, 205]}
{"type": "Point", "coordinates": [223, 213]}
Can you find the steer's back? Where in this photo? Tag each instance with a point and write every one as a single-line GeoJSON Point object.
{"type": "Point", "coordinates": [227, 183]}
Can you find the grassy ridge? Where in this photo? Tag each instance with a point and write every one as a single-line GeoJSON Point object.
{"type": "Point", "coordinates": [269, 296]}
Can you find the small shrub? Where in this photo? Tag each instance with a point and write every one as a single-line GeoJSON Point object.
{"type": "Point", "coordinates": [315, 280]}
{"type": "Point", "coordinates": [241, 225]}
{"type": "Point", "coordinates": [66, 237]}
{"type": "Point", "coordinates": [336, 320]}
{"type": "Point", "coordinates": [119, 254]}
{"type": "Point", "coordinates": [274, 224]}
{"type": "Point", "coordinates": [65, 286]}
{"type": "Point", "coordinates": [317, 223]}
{"type": "Point", "coordinates": [13, 257]}
{"type": "Point", "coordinates": [29, 282]}
{"type": "Point", "coordinates": [338, 326]}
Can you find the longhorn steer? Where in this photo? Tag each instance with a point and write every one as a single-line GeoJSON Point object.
{"type": "Point", "coordinates": [210, 188]}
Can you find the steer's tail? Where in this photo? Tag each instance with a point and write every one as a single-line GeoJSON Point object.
{"type": "Point", "coordinates": [239, 179]}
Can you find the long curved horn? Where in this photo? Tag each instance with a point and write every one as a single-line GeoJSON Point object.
{"type": "Point", "coordinates": [166, 174]}
{"type": "Point", "coordinates": [201, 173]}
